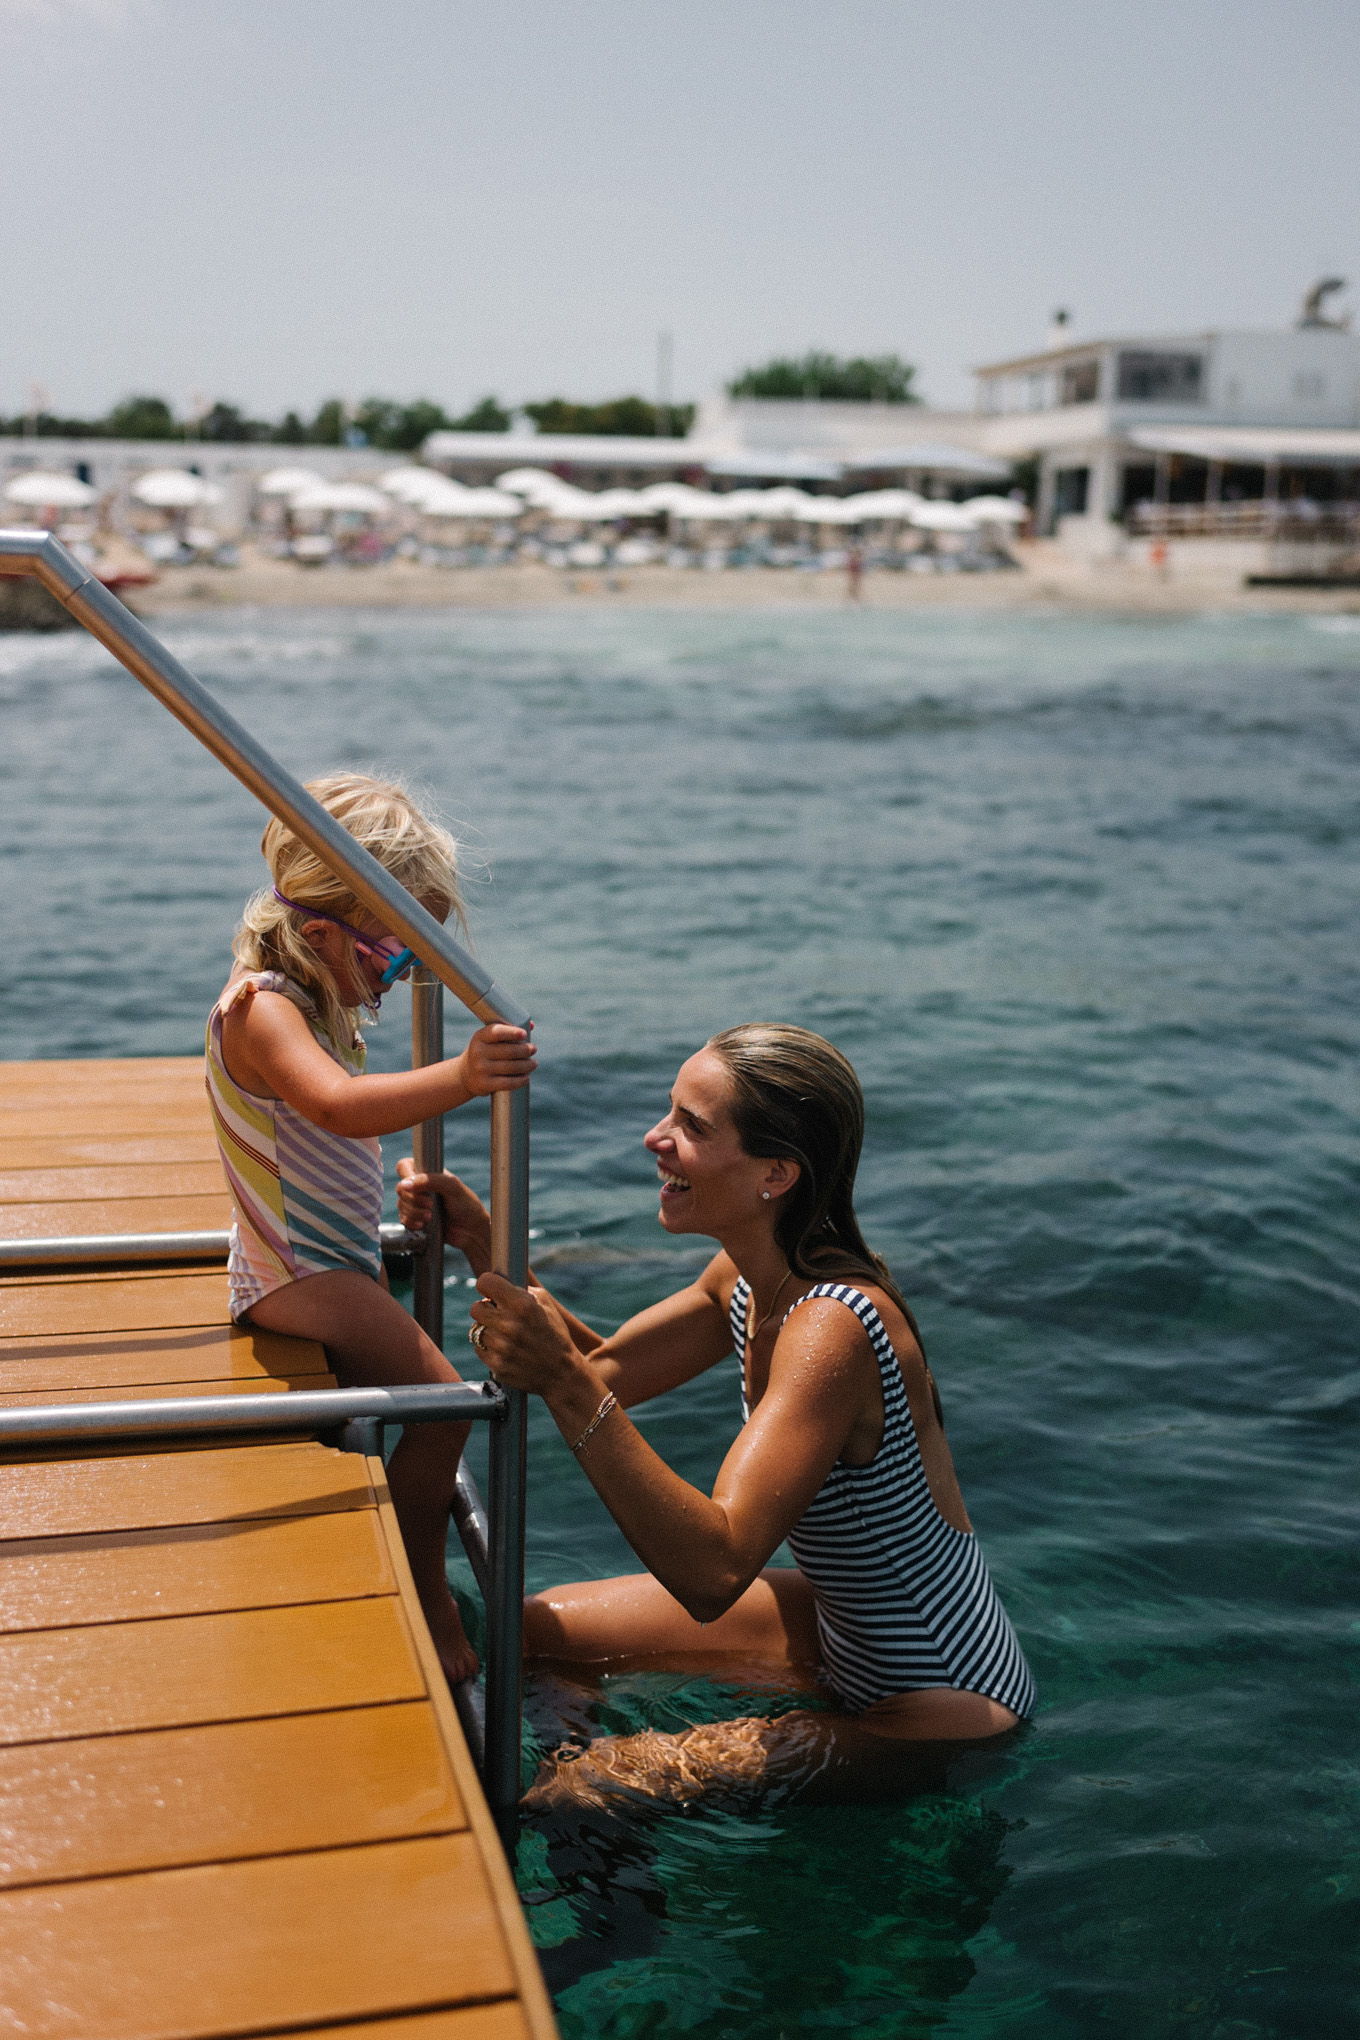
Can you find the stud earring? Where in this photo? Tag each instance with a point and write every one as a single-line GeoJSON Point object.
{"type": "Point", "coordinates": [766, 1195]}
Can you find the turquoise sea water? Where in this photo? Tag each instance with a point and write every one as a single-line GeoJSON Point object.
{"type": "Point", "coordinates": [1077, 897]}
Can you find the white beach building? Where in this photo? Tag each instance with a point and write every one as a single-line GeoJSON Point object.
{"type": "Point", "coordinates": [825, 445]}
{"type": "Point", "coordinates": [1218, 434]}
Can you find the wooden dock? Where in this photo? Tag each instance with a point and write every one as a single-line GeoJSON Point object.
{"type": "Point", "coordinates": [234, 1794]}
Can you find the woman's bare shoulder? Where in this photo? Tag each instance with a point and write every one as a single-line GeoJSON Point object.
{"type": "Point", "coordinates": [900, 1334]}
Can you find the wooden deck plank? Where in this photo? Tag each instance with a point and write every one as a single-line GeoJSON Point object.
{"type": "Point", "coordinates": [142, 1300]}
{"type": "Point", "coordinates": [86, 1073]}
{"type": "Point", "coordinates": [106, 1360]}
{"type": "Point", "coordinates": [118, 1803]}
{"type": "Point", "coordinates": [132, 1181]}
{"type": "Point", "coordinates": [234, 1795]}
{"type": "Point", "coordinates": [109, 1120]}
{"type": "Point", "coordinates": [131, 1575]}
{"type": "Point", "coordinates": [200, 1568]}
{"type": "Point", "coordinates": [40, 1221]}
{"type": "Point", "coordinates": [154, 1390]}
{"type": "Point", "coordinates": [171, 1147]}
{"type": "Point", "coordinates": [146, 1491]}
{"type": "Point", "coordinates": [226, 1948]}
{"type": "Point", "coordinates": [503, 2021]}
{"type": "Point", "coordinates": [56, 1683]}
{"type": "Point", "coordinates": [532, 1990]}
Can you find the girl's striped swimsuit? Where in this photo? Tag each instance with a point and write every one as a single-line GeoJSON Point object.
{"type": "Point", "coordinates": [904, 1600]}
{"type": "Point", "coordinates": [306, 1201]}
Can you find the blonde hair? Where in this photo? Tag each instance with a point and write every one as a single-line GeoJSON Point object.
{"type": "Point", "coordinates": [381, 816]}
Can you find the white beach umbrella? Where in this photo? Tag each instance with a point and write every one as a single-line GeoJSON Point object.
{"type": "Point", "coordinates": [563, 500]}
{"type": "Point", "coordinates": [431, 490]}
{"type": "Point", "coordinates": [474, 503]}
{"type": "Point", "coordinates": [942, 517]}
{"type": "Point", "coordinates": [885, 506]}
{"type": "Point", "coordinates": [714, 508]}
{"type": "Point", "coordinates": [600, 507]}
{"type": "Point", "coordinates": [747, 502]}
{"type": "Point", "coordinates": [548, 492]}
{"type": "Point", "coordinates": [54, 492]}
{"type": "Point", "coordinates": [667, 495]}
{"type": "Point", "coordinates": [524, 481]}
{"type": "Point", "coordinates": [621, 503]}
{"type": "Point", "coordinates": [174, 489]}
{"type": "Point", "coordinates": [995, 510]}
{"type": "Point", "coordinates": [409, 484]}
{"type": "Point", "coordinates": [829, 510]}
{"type": "Point", "coordinates": [683, 501]}
{"type": "Point", "coordinates": [785, 501]}
{"type": "Point", "coordinates": [355, 496]}
{"type": "Point", "coordinates": [286, 481]}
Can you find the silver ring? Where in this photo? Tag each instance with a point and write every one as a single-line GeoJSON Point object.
{"type": "Point", "coordinates": [475, 1336]}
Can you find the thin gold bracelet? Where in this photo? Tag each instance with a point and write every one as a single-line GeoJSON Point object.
{"type": "Point", "coordinates": [609, 1403]}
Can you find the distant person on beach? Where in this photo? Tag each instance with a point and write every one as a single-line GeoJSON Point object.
{"type": "Point", "coordinates": [842, 1452]}
{"type": "Point", "coordinates": [854, 572]}
{"type": "Point", "coordinates": [297, 1122]}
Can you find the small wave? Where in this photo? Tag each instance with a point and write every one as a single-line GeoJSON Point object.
{"type": "Point", "coordinates": [27, 652]}
{"type": "Point", "coordinates": [597, 1257]}
{"type": "Point", "coordinates": [252, 648]}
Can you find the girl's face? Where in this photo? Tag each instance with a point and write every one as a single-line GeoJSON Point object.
{"type": "Point", "coordinates": [360, 983]}
{"type": "Point", "coordinates": [709, 1184]}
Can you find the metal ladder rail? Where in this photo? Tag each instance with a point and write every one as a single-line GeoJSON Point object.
{"type": "Point", "coordinates": [43, 557]}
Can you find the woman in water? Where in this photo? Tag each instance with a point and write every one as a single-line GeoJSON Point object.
{"type": "Point", "coordinates": [842, 1451]}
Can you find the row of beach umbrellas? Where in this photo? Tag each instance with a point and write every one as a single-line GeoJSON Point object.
{"type": "Point", "coordinates": [527, 488]}
{"type": "Point", "coordinates": [160, 489]}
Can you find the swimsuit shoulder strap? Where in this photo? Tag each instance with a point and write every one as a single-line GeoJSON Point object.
{"type": "Point", "coordinates": [855, 1300]}
{"type": "Point", "coordinates": [736, 1315]}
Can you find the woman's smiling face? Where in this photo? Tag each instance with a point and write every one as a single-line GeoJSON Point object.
{"type": "Point", "coordinates": [708, 1182]}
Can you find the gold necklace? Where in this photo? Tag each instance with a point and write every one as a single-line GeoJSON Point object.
{"type": "Point", "coordinates": [753, 1336]}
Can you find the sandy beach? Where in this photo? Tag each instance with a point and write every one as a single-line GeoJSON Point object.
{"type": "Point", "coordinates": [1048, 579]}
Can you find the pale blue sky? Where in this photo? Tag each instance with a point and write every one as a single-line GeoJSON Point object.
{"type": "Point", "coordinates": [274, 201]}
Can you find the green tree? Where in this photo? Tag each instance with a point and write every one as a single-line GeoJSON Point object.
{"type": "Point", "coordinates": [398, 428]}
{"type": "Point", "coordinates": [48, 426]}
{"type": "Point", "coordinates": [862, 379]}
{"type": "Point", "coordinates": [142, 418]}
{"type": "Point", "coordinates": [328, 426]}
{"type": "Point", "coordinates": [291, 432]}
{"type": "Point", "coordinates": [228, 424]}
{"type": "Point", "coordinates": [487, 415]}
{"type": "Point", "coordinates": [415, 422]}
{"type": "Point", "coordinates": [624, 417]}
{"type": "Point", "coordinates": [377, 418]}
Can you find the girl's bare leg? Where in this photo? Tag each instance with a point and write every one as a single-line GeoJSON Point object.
{"type": "Point", "coordinates": [371, 1342]}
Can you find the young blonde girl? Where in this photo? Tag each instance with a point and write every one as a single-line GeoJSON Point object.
{"type": "Point", "coordinates": [298, 1122]}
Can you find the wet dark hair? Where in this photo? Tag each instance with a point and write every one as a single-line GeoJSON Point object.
{"type": "Point", "coordinates": [796, 1098]}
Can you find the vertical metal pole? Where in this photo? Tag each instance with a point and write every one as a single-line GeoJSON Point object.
{"type": "Point", "coordinates": [427, 1148]}
{"type": "Point", "coordinates": [505, 1603]}
{"type": "Point", "coordinates": [427, 1046]}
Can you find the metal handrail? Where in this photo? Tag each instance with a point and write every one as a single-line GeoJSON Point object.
{"type": "Point", "coordinates": [40, 555]}
{"type": "Point", "coordinates": [157, 1246]}
{"type": "Point", "coordinates": [356, 1413]}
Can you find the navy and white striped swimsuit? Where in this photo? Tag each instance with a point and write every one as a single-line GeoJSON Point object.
{"type": "Point", "coordinates": [904, 1600]}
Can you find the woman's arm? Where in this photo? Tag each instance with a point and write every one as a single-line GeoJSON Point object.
{"type": "Point", "coordinates": [705, 1550]}
{"type": "Point", "coordinates": [661, 1347]}
{"type": "Point", "coordinates": [269, 1049]}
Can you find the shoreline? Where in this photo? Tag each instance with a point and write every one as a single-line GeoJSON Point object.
{"type": "Point", "coordinates": [1047, 580]}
